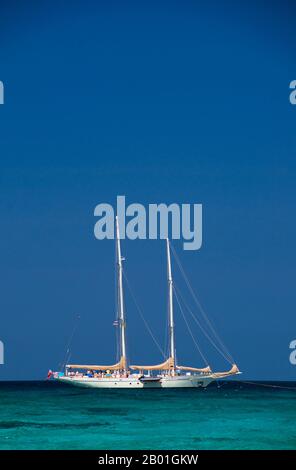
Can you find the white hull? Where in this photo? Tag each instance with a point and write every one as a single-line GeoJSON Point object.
{"type": "Point", "coordinates": [165, 382]}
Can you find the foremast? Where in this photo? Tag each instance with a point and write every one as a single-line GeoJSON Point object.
{"type": "Point", "coordinates": [171, 309]}
{"type": "Point", "coordinates": [121, 312]}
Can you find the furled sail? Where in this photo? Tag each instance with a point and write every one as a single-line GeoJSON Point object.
{"type": "Point", "coordinates": [167, 365]}
{"type": "Point", "coordinates": [119, 366]}
{"type": "Point", "coordinates": [234, 370]}
{"type": "Point", "coordinates": [205, 370]}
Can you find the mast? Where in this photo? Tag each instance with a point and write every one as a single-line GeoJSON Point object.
{"type": "Point", "coordinates": [171, 308]}
{"type": "Point", "coordinates": [121, 315]}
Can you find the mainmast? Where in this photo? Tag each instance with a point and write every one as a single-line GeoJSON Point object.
{"type": "Point", "coordinates": [171, 308]}
{"type": "Point", "coordinates": [121, 315]}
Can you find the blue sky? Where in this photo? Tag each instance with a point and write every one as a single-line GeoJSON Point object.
{"type": "Point", "coordinates": [161, 102]}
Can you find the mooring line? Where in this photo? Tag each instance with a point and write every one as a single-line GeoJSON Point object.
{"type": "Point", "coordinates": [266, 385]}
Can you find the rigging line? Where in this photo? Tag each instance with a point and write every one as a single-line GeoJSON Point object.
{"type": "Point", "coordinates": [166, 333]}
{"type": "Point", "coordinates": [68, 345]}
{"type": "Point", "coordinates": [220, 351]}
{"type": "Point", "coordinates": [203, 330]}
{"type": "Point", "coordinates": [189, 330]}
{"type": "Point", "coordinates": [265, 385]}
{"type": "Point", "coordinates": [200, 306]}
{"type": "Point", "coordinates": [214, 332]}
{"type": "Point", "coordinates": [142, 316]}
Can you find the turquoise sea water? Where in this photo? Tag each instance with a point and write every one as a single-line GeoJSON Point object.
{"type": "Point", "coordinates": [47, 415]}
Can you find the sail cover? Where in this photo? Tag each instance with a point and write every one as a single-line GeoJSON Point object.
{"type": "Point", "coordinates": [234, 370]}
{"type": "Point", "coordinates": [119, 366]}
{"type": "Point", "coordinates": [167, 365]}
{"type": "Point", "coordinates": [205, 370]}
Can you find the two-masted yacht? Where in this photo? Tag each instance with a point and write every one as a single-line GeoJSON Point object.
{"type": "Point", "coordinates": [167, 374]}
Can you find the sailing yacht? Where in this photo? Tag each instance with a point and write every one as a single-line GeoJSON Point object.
{"type": "Point", "coordinates": [168, 374]}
